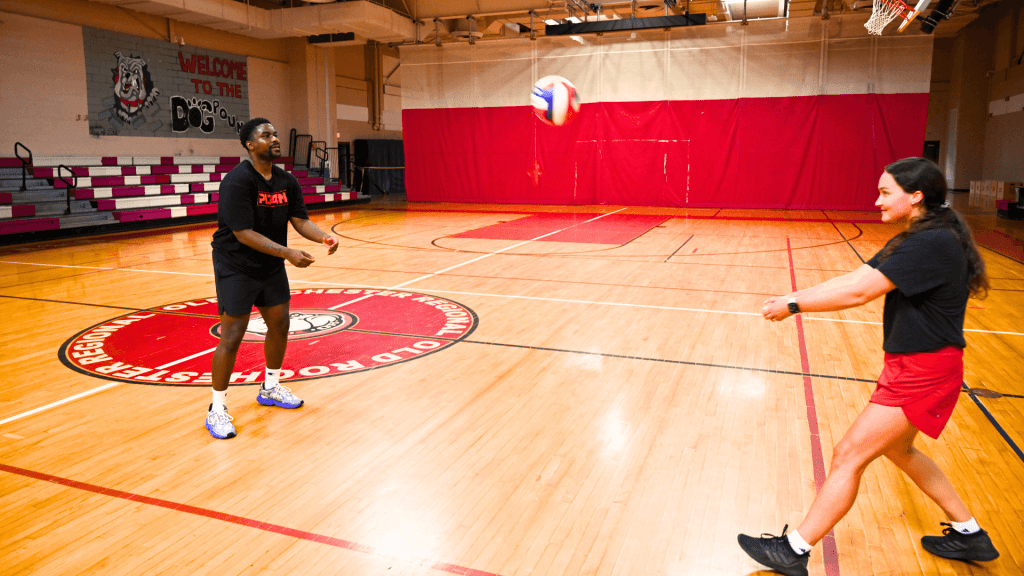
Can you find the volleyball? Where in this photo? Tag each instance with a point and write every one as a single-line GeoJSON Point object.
{"type": "Point", "coordinates": [555, 100]}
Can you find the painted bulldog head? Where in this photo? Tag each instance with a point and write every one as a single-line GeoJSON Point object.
{"type": "Point", "coordinates": [132, 83]}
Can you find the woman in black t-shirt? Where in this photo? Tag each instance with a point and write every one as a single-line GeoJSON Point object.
{"type": "Point", "coordinates": [926, 272]}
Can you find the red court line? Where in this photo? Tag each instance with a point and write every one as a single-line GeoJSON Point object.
{"type": "Point", "coordinates": [828, 544]}
{"type": "Point", "coordinates": [714, 216]}
{"type": "Point", "coordinates": [241, 521]}
{"type": "Point", "coordinates": [748, 219]}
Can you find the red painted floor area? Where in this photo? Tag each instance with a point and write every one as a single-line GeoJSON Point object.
{"type": "Point", "coordinates": [579, 228]}
{"type": "Point", "coordinates": [1002, 243]}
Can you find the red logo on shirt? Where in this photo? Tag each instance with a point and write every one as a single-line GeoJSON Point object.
{"type": "Point", "coordinates": [275, 199]}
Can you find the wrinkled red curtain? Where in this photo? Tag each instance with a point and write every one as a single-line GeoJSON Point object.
{"type": "Point", "coordinates": [807, 152]}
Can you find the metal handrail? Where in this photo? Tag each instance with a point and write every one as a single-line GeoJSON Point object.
{"type": "Point", "coordinates": [24, 163]}
{"type": "Point", "coordinates": [304, 160]}
{"type": "Point", "coordinates": [314, 147]}
{"type": "Point", "coordinates": [71, 185]}
{"type": "Point", "coordinates": [332, 165]}
{"type": "Point", "coordinates": [321, 155]}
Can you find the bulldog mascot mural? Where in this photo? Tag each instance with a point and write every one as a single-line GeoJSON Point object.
{"type": "Point", "coordinates": [132, 86]}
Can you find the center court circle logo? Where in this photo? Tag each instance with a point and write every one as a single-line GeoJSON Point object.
{"type": "Point", "coordinates": [332, 331]}
{"type": "Point", "coordinates": [301, 324]}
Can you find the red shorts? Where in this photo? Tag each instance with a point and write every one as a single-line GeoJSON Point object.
{"type": "Point", "coordinates": [926, 385]}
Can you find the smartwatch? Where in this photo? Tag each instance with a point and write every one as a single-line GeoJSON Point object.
{"type": "Point", "coordinates": [794, 308]}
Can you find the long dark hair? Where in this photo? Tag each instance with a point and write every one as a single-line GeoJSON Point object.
{"type": "Point", "coordinates": [920, 174]}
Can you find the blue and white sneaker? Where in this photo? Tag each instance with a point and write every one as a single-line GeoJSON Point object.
{"type": "Point", "coordinates": [219, 424]}
{"type": "Point", "coordinates": [278, 396]}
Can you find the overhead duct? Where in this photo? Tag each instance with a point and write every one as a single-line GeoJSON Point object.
{"type": "Point", "coordinates": [334, 39]}
{"type": "Point", "coordinates": [365, 19]}
{"type": "Point", "coordinates": [625, 25]}
{"type": "Point", "coordinates": [361, 17]}
{"type": "Point", "coordinates": [464, 29]}
{"type": "Point", "coordinates": [225, 15]}
{"type": "Point", "coordinates": [510, 30]}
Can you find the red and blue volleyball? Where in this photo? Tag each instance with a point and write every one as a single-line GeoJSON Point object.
{"type": "Point", "coordinates": [555, 100]}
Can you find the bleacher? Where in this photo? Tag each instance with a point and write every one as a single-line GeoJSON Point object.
{"type": "Point", "coordinates": [117, 193]}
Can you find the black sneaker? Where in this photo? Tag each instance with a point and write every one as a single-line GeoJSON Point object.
{"type": "Point", "coordinates": [956, 545]}
{"type": "Point", "coordinates": [775, 553]}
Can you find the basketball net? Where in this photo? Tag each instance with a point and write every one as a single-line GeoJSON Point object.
{"type": "Point", "coordinates": [883, 12]}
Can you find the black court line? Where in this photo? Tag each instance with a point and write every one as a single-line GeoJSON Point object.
{"type": "Point", "coordinates": [687, 363]}
{"type": "Point", "coordinates": [972, 391]}
{"type": "Point", "coordinates": [176, 313]}
{"type": "Point", "coordinates": [398, 334]}
{"type": "Point", "coordinates": [994, 422]}
{"type": "Point", "coordinates": [57, 279]}
{"type": "Point", "coordinates": [680, 248]}
{"type": "Point", "coordinates": [845, 238]}
{"type": "Point", "coordinates": [102, 259]}
{"type": "Point", "coordinates": [72, 303]}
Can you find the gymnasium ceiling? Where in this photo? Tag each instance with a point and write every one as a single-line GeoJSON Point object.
{"type": "Point", "coordinates": [392, 21]}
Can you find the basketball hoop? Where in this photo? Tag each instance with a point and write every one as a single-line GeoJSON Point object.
{"type": "Point", "coordinates": [885, 11]}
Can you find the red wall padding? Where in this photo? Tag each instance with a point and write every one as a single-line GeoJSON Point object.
{"type": "Point", "coordinates": [808, 152]}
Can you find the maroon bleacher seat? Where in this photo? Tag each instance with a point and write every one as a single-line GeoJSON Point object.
{"type": "Point", "coordinates": [116, 185]}
{"type": "Point", "coordinates": [32, 225]}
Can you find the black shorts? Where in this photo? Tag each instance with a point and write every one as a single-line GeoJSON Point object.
{"type": "Point", "coordinates": [237, 293]}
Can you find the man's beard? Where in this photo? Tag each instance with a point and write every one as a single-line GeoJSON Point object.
{"type": "Point", "coordinates": [272, 153]}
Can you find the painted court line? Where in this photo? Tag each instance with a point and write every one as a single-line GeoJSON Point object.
{"type": "Point", "coordinates": [680, 248]}
{"type": "Point", "coordinates": [246, 522]}
{"type": "Point", "coordinates": [670, 361]}
{"type": "Point", "coordinates": [993, 421]}
{"type": "Point", "coordinates": [106, 268]}
{"type": "Point", "coordinates": [186, 359]}
{"type": "Point", "coordinates": [515, 297]}
{"type": "Point", "coordinates": [60, 265]}
{"type": "Point", "coordinates": [477, 259]}
{"type": "Point", "coordinates": [829, 550]}
{"type": "Point", "coordinates": [60, 402]}
{"type": "Point", "coordinates": [204, 352]}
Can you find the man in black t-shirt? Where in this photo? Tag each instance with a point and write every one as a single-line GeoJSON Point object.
{"type": "Point", "coordinates": [257, 201]}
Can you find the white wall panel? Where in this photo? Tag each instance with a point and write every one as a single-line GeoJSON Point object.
{"type": "Point", "coordinates": [768, 58]}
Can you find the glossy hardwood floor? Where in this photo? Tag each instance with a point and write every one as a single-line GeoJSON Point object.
{"type": "Point", "coordinates": [620, 409]}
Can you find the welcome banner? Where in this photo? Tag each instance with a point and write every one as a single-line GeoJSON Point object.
{"type": "Point", "coordinates": [143, 87]}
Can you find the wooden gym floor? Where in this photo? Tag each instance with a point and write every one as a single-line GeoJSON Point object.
{"type": "Point", "coordinates": [619, 409]}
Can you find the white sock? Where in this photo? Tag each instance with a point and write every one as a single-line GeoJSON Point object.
{"type": "Point", "coordinates": [969, 527]}
{"type": "Point", "coordinates": [797, 543]}
{"type": "Point", "coordinates": [220, 401]}
{"type": "Point", "coordinates": [271, 379]}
